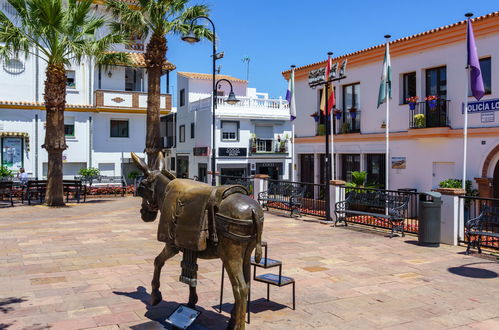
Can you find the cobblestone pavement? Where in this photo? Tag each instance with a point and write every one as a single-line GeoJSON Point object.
{"type": "Point", "coordinates": [90, 266]}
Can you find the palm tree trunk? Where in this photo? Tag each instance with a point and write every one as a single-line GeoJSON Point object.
{"type": "Point", "coordinates": [55, 142]}
{"type": "Point", "coordinates": [154, 56]}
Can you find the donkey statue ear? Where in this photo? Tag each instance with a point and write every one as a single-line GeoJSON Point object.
{"type": "Point", "coordinates": [140, 164]}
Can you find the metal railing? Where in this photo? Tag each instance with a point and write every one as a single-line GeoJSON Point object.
{"type": "Point", "coordinates": [313, 201]}
{"type": "Point", "coordinates": [424, 115]}
{"type": "Point", "coordinates": [411, 217]}
{"type": "Point", "coordinates": [268, 146]}
{"type": "Point", "coordinates": [472, 207]}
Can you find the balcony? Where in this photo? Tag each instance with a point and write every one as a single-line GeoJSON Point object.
{"type": "Point", "coordinates": [246, 107]}
{"type": "Point", "coordinates": [128, 100]}
{"type": "Point", "coordinates": [425, 116]}
{"type": "Point", "coordinates": [344, 125]}
{"type": "Point", "coordinates": [268, 146]}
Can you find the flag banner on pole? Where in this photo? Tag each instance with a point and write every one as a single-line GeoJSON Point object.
{"type": "Point", "coordinates": [331, 101]}
{"type": "Point", "coordinates": [290, 95]}
{"type": "Point", "coordinates": [385, 87]}
{"type": "Point", "coordinates": [476, 80]}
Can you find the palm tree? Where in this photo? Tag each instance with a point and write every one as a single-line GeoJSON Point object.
{"type": "Point", "coordinates": [59, 32]}
{"type": "Point", "coordinates": [156, 19]}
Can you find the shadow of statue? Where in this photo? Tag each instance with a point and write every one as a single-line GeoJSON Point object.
{"type": "Point", "coordinates": [158, 313]}
{"type": "Point", "coordinates": [474, 272]}
{"type": "Point", "coordinates": [5, 302]}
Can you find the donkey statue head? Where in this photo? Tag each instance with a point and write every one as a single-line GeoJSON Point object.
{"type": "Point", "coordinates": [152, 187]}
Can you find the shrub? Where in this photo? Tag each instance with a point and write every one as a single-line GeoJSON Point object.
{"type": "Point", "coordinates": [90, 172]}
{"type": "Point", "coordinates": [457, 183]}
{"type": "Point", "coordinates": [133, 175]}
{"type": "Point", "coordinates": [5, 172]}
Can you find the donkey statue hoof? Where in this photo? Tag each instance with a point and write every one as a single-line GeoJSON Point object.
{"type": "Point", "coordinates": [156, 297]}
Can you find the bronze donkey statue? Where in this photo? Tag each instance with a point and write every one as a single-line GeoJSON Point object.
{"type": "Point", "coordinates": [206, 222]}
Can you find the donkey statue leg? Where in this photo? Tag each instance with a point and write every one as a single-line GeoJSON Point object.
{"type": "Point", "coordinates": [159, 262]}
{"type": "Point", "coordinates": [232, 256]}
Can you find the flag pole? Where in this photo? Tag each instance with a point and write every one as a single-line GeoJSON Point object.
{"type": "Point", "coordinates": [465, 128]}
{"type": "Point", "coordinates": [293, 157]}
{"type": "Point", "coordinates": [327, 154]}
{"type": "Point", "coordinates": [387, 125]}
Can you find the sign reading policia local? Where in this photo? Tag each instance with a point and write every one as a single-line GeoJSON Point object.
{"type": "Point", "coordinates": [485, 105]}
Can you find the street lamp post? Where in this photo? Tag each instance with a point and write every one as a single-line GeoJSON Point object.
{"type": "Point", "coordinates": [191, 37]}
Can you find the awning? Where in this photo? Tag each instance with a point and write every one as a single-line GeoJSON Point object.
{"type": "Point", "coordinates": [23, 135]}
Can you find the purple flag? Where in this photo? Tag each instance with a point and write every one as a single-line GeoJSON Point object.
{"type": "Point", "coordinates": [476, 80]}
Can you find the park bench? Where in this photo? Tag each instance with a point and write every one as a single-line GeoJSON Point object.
{"type": "Point", "coordinates": [245, 182]}
{"type": "Point", "coordinates": [288, 194]}
{"type": "Point", "coordinates": [376, 204]}
{"type": "Point", "coordinates": [110, 182]}
{"type": "Point", "coordinates": [34, 188]}
{"type": "Point", "coordinates": [6, 188]}
{"type": "Point", "coordinates": [76, 189]}
{"type": "Point", "coordinates": [485, 225]}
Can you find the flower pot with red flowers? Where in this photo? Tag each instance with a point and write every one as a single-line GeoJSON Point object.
{"type": "Point", "coordinates": [413, 100]}
{"type": "Point", "coordinates": [432, 101]}
{"type": "Point", "coordinates": [316, 116]}
{"type": "Point", "coordinates": [337, 114]}
{"type": "Point", "coordinates": [353, 112]}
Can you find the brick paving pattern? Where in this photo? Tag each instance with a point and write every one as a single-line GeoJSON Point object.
{"type": "Point", "coordinates": [90, 265]}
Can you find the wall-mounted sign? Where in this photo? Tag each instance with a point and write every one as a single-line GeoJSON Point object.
{"type": "Point", "coordinates": [200, 151]}
{"type": "Point", "coordinates": [399, 163]}
{"type": "Point", "coordinates": [232, 152]}
{"type": "Point", "coordinates": [488, 117]}
{"type": "Point", "coordinates": [485, 105]}
{"type": "Point", "coordinates": [12, 153]}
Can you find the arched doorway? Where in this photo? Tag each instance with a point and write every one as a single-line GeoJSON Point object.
{"type": "Point", "coordinates": [495, 181]}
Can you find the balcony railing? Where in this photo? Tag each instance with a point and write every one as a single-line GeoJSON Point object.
{"type": "Point", "coordinates": [261, 146]}
{"type": "Point", "coordinates": [250, 102]}
{"type": "Point", "coordinates": [128, 100]}
{"type": "Point", "coordinates": [426, 115]}
{"type": "Point", "coordinates": [344, 125]}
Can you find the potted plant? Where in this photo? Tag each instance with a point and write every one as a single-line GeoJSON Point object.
{"type": "Point", "coordinates": [282, 146]}
{"type": "Point", "coordinates": [253, 142]}
{"type": "Point", "coordinates": [432, 101]}
{"type": "Point", "coordinates": [321, 129]}
{"type": "Point", "coordinates": [5, 172]}
{"type": "Point", "coordinates": [353, 112]}
{"type": "Point", "coordinates": [412, 101]}
{"type": "Point", "coordinates": [89, 174]}
{"type": "Point", "coordinates": [337, 113]}
{"type": "Point", "coordinates": [420, 120]}
{"type": "Point", "coordinates": [316, 116]}
{"type": "Point", "coordinates": [345, 128]}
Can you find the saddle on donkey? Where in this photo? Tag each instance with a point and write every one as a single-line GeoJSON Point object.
{"type": "Point", "coordinates": [189, 210]}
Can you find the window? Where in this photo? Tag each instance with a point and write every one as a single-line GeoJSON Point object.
{"type": "Point", "coordinates": [351, 100]}
{"type": "Point", "coordinates": [181, 137]}
{"type": "Point", "coordinates": [349, 163]}
{"type": "Point", "coordinates": [69, 126]}
{"type": "Point", "coordinates": [172, 164]}
{"type": "Point", "coordinates": [182, 97]}
{"type": "Point", "coordinates": [192, 130]}
{"type": "Point", "coordinates": [436, 82]}
{"type": "Point", "coordinates": [230, 130]}
{"type": "Point", "coordinates": [70, 79]}
{"type": "Point", "coordinates": [409, 87]}
{"type": "Point", "coordinates": [119, 128]}
{"type": "Point", "coordinates": [375, 168]}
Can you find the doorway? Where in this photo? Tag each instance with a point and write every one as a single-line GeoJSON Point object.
{"type": "Point", "coordinates": [273, 170]}
{"type": "Point", "coordinates": [203, 172]}
{"type": "Point", "coordinates": [183, 167]}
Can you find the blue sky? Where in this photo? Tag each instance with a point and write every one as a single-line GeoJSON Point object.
{"type": "Point", "coordinates": [278, 33]}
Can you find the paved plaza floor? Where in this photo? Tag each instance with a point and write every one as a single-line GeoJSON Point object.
{"type": "Point", "coordinates": [90, 266]}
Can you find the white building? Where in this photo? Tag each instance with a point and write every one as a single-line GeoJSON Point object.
{"type": "Point", "coordinates": [252, 136]}
{"type": "Point", "coordinates": [105, 117]}
{"type": "Point", "coordinates": [424, 150]}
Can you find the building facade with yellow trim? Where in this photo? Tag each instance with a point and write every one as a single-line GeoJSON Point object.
{"type": "Point", "coordinates": [426, 141]}
{"type": "Point", "coordinates": [105, 117]}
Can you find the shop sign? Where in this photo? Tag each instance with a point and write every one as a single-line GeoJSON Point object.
{"type": "Point", "coordinates": [12, 153]}
{"type": "Point", "coordinates": [200, 151]}
{"type": "Point", "coordinates": [232, 152]}
{"type": "Point", "coordinates": [485, 105]}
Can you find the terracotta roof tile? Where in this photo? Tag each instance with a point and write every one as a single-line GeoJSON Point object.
{"type": "Point", "coordinates": [446, 27]}
{"type": "Point", "coordinates": [138, 60]}
{"type": "Point", "coordinates": [208, 76]}
{"type": "Point", "coordinates": [41, 104]}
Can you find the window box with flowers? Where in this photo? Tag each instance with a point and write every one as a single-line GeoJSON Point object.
{"type": "Point", "coordinates": [432, 101]}
{"type": "Point", "coordinates": [337, 114]}
{"type": "Point", "coordinates": [316, 116]}
{"type": "Point", "coordinates": [413, 100]}
{"type": "Point", "coordinates": [353, 112]}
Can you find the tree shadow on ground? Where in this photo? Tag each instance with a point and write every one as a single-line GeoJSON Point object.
{"type": "Point", "coordinates": [257, 306]}
{"type": "Point", "coordinates": [207, 319]}
{"type": "Point", "coordinates": [474, 272]}
{"type": "Point", "coordinates": [5, 302]}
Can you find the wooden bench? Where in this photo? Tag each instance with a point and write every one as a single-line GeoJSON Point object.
{"type": "Point", "coordinates": [377, 204]}
{"type": "Point", "coordinates": [6, 188]}
{"type": "Point", "coordinates": [486, 224]}
{"type": "Point", "coordinates": [76, 189]}
{"type": "Point", "coordinates": [286, 193]}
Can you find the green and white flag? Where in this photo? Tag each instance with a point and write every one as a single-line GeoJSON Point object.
{"type": "Point", "coordinates": [385, 87]}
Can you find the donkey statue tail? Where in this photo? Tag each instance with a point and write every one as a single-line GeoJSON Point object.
{"type": "Point", "coordinates": [258, 228]}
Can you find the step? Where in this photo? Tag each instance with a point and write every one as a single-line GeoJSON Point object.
{"type": "Point", "coordinates": [274, 279]}
{"type": "Point", "coordinates": [270, 263]}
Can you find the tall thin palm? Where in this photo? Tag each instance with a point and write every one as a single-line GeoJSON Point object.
{"type": "Point", "coordinates": [155, 19]}
{"type": "Point", "coordinates": [59, 32]}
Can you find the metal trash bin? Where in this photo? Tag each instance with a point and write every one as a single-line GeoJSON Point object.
{"type": "Point", "coordinates": [412, 206]}
{"type": "Point", "coordinates": [430, 214]}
